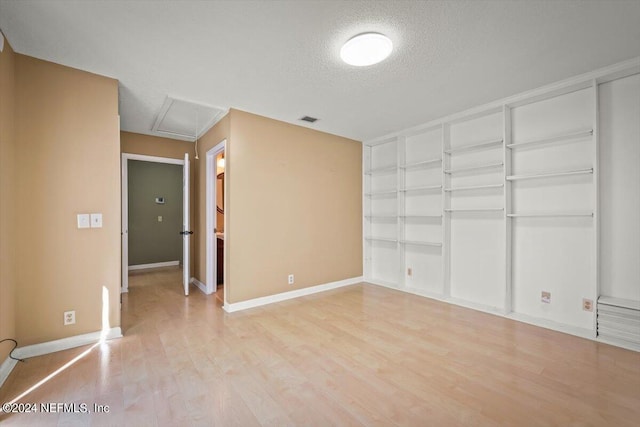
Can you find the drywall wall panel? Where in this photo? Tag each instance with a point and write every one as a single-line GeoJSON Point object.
{"type": "Point", "coordinates": [68, 163]}
{"type": "Point", "coordinates": [477, 257]}
{"type": "Point", "coordinates": [554, 255]}
{"type": "Point", "coordinates": [295, 200]}
{"type": "Point", "coordinates": [620, 188]}
{"type": "Point", "coordinates": [148, 145]}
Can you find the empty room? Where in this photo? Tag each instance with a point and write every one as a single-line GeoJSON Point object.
{"type": "Point", "coordinates": [319, 213]}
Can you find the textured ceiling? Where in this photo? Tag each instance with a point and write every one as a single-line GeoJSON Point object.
{"type": "Point", "coordinates": [281, 58]}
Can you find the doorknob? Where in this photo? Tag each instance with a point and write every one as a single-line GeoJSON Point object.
{"type": "Point", "coordinates": [184, 233]}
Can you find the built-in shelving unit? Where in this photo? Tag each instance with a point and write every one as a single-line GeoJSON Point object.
{"type": "Point", "coordinates": [490, 207]}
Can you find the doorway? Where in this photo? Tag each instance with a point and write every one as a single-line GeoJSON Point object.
{"type": "Point", "coordinates": [161, 215]}
{"type": "Point", "coordinates": [216, 167]}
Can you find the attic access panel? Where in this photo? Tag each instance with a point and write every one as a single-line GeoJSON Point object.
{"type": "Point", "coordinates": [185, 120]}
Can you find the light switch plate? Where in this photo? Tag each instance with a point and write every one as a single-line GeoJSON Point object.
{"type": "Point", "coordinates": [83, 221]}
{"type": "Point", "coordinates": [96, 220]}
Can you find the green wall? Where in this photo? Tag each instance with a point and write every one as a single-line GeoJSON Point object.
{"type": "Point", "coordinates": [151, 241]}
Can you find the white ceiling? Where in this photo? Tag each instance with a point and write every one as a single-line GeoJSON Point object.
{"type": "Point", "coordinates": [281, 58]}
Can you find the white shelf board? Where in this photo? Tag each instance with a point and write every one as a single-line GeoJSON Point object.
{"type": "Point", "coordinates": [425, 188]}
{"type": "Point", "coordinates": [475, 210]}
{"type": "Point", "coordinates": [420, 243]}
{"type": "Point", "coordinates": [383, 170]}
{"type": "Point", "coordinates": [380, 216]}
{"type": "Point", "coordinates": [474, 187]}
{"type": "Point", "coordinates": [421, 164]}
{"type": "Point", "coordinates": [552, 139]}
{"type": "Point", "coordinates": [473, 147]}
{"type": "Point", "coordinates": [380, 193]}
{"type": "Point", "coordinates": [619, 302]}
{"type": "Point", "coordinates": [382, 239]}
{"type": "Point", "coordinates": [549, 214]}
{"type": "Point", "coordinates": [474, 168]}
{"type": "Point", "coordinates": [550, 174]}
{"type": "Point", "coordinates": [420, 216]}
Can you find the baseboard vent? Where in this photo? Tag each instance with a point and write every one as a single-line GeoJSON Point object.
{"type": "Point", "coordinates": [619, 320]}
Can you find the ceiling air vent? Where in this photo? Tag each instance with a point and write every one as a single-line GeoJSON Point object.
{"type": "Point", "coordinates": [308, 119]}
{"type": "Point", "coordinates": [185, 120]}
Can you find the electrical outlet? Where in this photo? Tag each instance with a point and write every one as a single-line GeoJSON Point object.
{"type": "Point", "coordinates": [587, 304]}
{"type": "Point", "coordinates": [291, 279]}
{"type": "Point", "coordinates": [409, 271]}
{"type": "Point", "coordinates": [546, 297]}
{"type": "Point", "coordinates": [69, 317]}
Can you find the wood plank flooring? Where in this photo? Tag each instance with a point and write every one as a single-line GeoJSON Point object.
{"type": "Point", "coordinates": [360, 355]}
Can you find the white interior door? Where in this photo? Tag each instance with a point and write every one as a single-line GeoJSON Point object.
{"type": "Point", "coordinates": [186, 232]}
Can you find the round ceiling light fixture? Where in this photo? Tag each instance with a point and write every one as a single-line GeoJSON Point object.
{"type": "Point", "coordinates": [366, 49]}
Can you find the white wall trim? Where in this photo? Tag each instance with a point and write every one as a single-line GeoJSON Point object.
{"type": "Point", "coordinates": [257, 302]}
{"type": "Point", "coordinates": [211, 247]}
{"type": "Point", "coordinates": [154, 265]}
{"type": "Point", "coordinates": [620, 343]}
{"type": "Point", "coordinates": [124, 222]}
{"type": "Point", "coordinates": [54, 346]}
{"type": "Point", "coordinates": [199, 285]}
{"type": "Point", "coordinates": [155, 159]}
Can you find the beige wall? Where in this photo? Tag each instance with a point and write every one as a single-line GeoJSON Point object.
{"type": "Point", "coordinates": [68, 163]}
{"type": "Point", "coordinates": [8, 180]}
{"type": "Point", "coordinates": [294, 206]}
{"type": "Point", "coordinates": [135, 143]}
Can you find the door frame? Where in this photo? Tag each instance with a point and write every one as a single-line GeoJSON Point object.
{"type": "Point", "coordinates": [211, 217]}
{"type": "Point", "coordinates": [124, 230]}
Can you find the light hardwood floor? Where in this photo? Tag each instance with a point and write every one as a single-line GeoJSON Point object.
{"type": "Point", "coordinates": [360, 355]}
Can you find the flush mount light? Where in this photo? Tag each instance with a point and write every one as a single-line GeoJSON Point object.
{"type": "Point", "coordinates": [366, 49]}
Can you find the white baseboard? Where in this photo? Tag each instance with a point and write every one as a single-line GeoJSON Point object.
{"type": "Point", "coordinates": [257, 302]}
{"type": "Point", "coordinates": [543, 323]}
{"type": "Point", "coordinates": [54, 346]}
{"type": "Point", "coordinates": [199, 284]}
{"type": "Point", "coordinates": [555, 326]}
{"type": "Point", "coordinates": [154, 265]}
{"type": "Point", "coordinates": [620, 343]}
